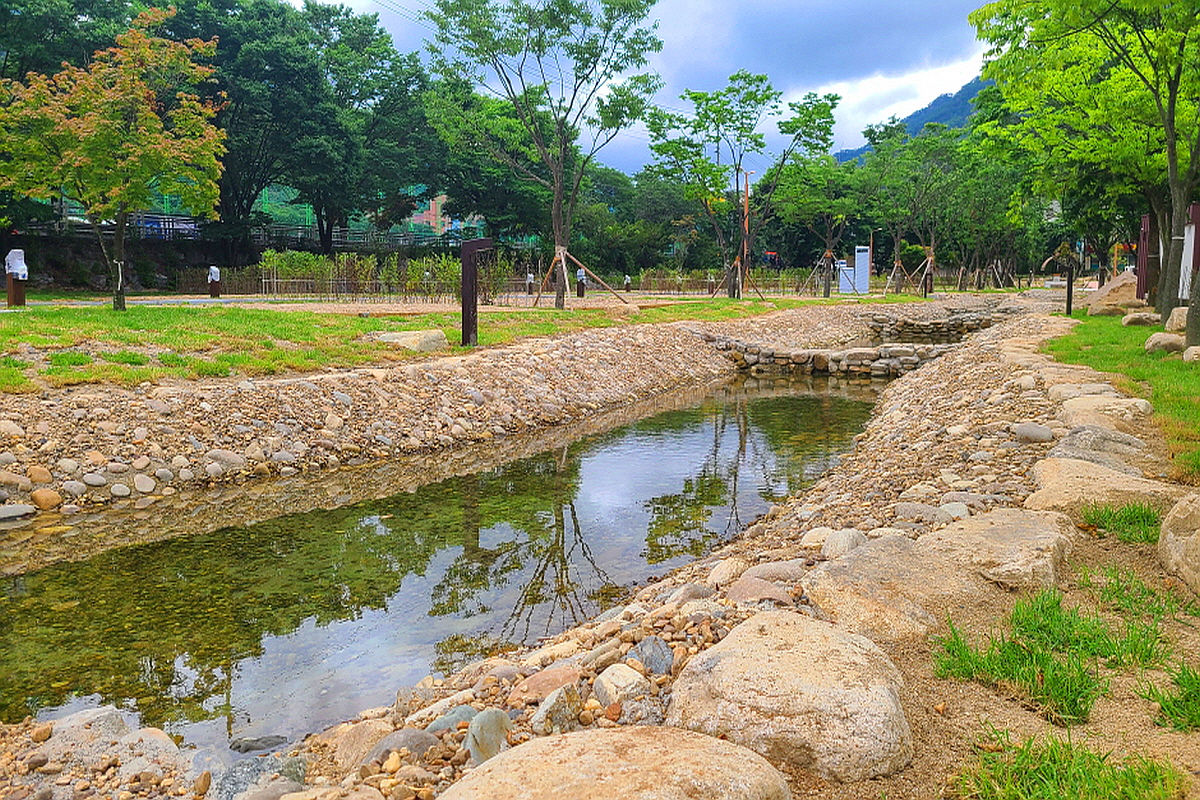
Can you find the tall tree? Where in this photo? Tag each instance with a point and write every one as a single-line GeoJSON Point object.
{"type": "Point", "coordinates": [560, 66]}
{"type": "Point", "coordinates": [1145, 56]}
{"type": "Point", "coordinates": [106, 135]}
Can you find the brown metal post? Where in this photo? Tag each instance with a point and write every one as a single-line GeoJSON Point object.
{"type": "Point", "coordinates": [470, 289]}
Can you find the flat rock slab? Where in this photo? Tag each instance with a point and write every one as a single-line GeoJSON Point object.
{"type": "Point", "coordinates": [1067, 485]}
{"type": "Point", "coordinates": [635, 763]}
{"type": "Point", "coordinates": [1125, 414]}
{"type": "Point", "coordinates": [883, 590]}
{"type": "Point", "coordinates": [800, 691]}
{"type": "Point", "coordinates": [1011, 548]}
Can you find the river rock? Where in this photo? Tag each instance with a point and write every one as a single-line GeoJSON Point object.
{"type": "Point", "coordinates": [16, 510]}
{"type": "Point", "coordinates": [46, 499]}
{"type": "Point", "coordinates": [748, 591]}
{"type": "Point", "coordinates": [727, 571]}
{"type": "Point", "coordinates": [450, 720]}
{"type": "Point", "coordinates": [419, 341]}
{"type": "Point", "coordinates": [632, 763]}
{"type": "Point", "coordinates": [1177, 322]}
{"type": "Point", "coordinates": [415, 740]}
{"type": "Point", "coordinates": [790, 571]}
{"type": "Point", "coordinates": [537, 687]}
{"type": "Point", "coordinates": [559, 712]}
{"type": "Point", "coordinates": [1067, 485]}
{"type": "Point", "coordinates": [690, 591]}
{"type": "Point", "coordinates": [143, 483]}
{"type": "Point", "coordinates": [655, 654]}
{"type": "Point", "coordinates": [620, 683]}
{"type": "Point", "coordinates": [487, 733]}
{"type": "Point", "coordinates": [1165, 343]}
{"type": "Point", "coordinates": [841, 542]}
{"type": "Point", "coordinates": [921, 512]}
{"type": "Point", "coordinates": [39, 474]}
{"type": "Point", "coordinates": [350, 742]}
{"type": "Point", "coordinates": [1179, 541]}
{"type": "Point", "coordinates": [800, 691]}
{"type": "Point", "coordinates": [1032, 432]}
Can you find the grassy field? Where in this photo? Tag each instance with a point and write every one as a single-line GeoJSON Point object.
{"type": "Point", "coordinates": [1172, 386]}
{"type": "Point", "coordinates": [67, 345]}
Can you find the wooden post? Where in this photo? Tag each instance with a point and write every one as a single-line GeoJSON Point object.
{"type": "Point", "coordinates": [470, 289]}
{"type": "Point", "coordinates": [1070, 283]}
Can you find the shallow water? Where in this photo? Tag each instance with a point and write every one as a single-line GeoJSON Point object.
{"type": "Point", "coordinates": [288, 625]}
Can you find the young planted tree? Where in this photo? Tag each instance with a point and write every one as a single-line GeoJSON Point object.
{"type": "Point", "coordinates": [1144, 59]}
{"type": "Point", "coordinates": [106, 135]}
{"type": "Point", "coordinates": [560, 66]}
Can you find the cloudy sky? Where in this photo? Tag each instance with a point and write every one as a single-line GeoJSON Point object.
{"type": "Point", "coordinates": [883, 57]}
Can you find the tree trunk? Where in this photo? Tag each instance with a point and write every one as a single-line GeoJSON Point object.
{"type": "Point", "coordinates": [561, 228]}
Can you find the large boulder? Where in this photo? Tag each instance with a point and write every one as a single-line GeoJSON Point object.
{"type": "Point", "coordinates": [883, 590]}
{"type": "Point", "coordinates": [1179, 543]}
{"type": "Point", "coordinates": [1067, 485]}
{"type": "Point", "coordinates": [1011, 548]}
{"type": "Point", "coordinates": [1177, 322]}
{"type": "Point", "coordinates": [800, 691]}
{"type": "Point", "coordinates": [633, 763]}
{"type": "Point", "coordinates": [1113, 295]}
{"type": "Point", "coordinates": [1165, 343]}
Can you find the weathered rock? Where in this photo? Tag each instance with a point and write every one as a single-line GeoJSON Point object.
{"type": "Point", "coordinates": [789, 571]}
{"type": "Point", "coordinates": [841, 542]}
{"type": "Point", "coordinates": [1141, 318]}
{"type": "Point", "coordinates": [1191, 355]}
{"type": "Point", "coordinates": [1125, 414]}
{"type": "Point", "coordinates": [634, 763]}
{"type": "Point", "coordinates": [620, 683]}
{"type": "Point", "coordinates": [1032, 432]}
{"type": "Point", "coordinates": [559, 712]}
{"type": "Point", "coordinates": [1011, 548]}
{"type": "Point", "coordinates": [350, 742]}
{"type": "Point", "coordinates": [655, 654]}
{"type": "Point", "coordinates": [537, 687]}
{"type": "Point", "coordinates": [1120, 289]}
{"type": "Point", "coordinates": [800, 691]}
{"type": "Point", "coordinates": [921, 512]}
{"type": "Point", "coordinates": [727, 571]}
{"type": "Point", "coordinates": [16, 510]}
{"type": "Point", "coordinates": [486, 735]}
{"type": "Point", "coordinates": [748, 591]}
{"type": "Point", "coordinates": [1179, 541]}
{"type": "Point", "coordinates": [1068, 485]}
{"type": "Point", "coordinates": [450, 720]}
{"type": "Point", "coordinates": [415, 740]}
{"type": "Point", "coordinates": [883, 590]}
{"type": "Point", "coordinates": [1165, 343]}
{"type": "Point", "coordinates": [39, 474]}
{"type": "Point", "coordinates": [419, 341]}
{"type": "Point", "coordinates": [1177, 322]}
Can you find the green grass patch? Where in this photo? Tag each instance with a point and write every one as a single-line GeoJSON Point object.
{"type": "Point", "coordinates": [172, 360]}
{"type": "Point", "coordinates": [69, 358]}
{"type": "Point", "coordinates": [1179, 708]}
{"type": "Point", "coordinates": [13, 381]}
{"type": "Point", "coordinates": [10, 362]}
{"type": "Point", "coordinates": [1053, 768]}
{"type": "Point", "coordinates": [126, 357]}
{"type": "Point", "coordinates": [1123, 591]}
{"type": "Point", "coordinates": [1051, 657]}
{"type": "Point", "coordinates": [1172, 386]}
{"type": "Point", "coordinates": [1133, 523]}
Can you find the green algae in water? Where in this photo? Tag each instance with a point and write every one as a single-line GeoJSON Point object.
{"type": "Point", "coordinates": [298, 622]}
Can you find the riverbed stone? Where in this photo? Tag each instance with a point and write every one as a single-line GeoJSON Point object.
{"type": "Point", "coordinates": [46, 499]}
{"type": "Point", "coordinates": [631, 763]}
{"type": "Point", "coordinates": [789, 571]}
{"type": "Point", "coordinates": [538, 686]}
{"type": "Point", "coordinates": [800, 691]}
{"type": "Point", "coordinates": [144, 483]}
{"type": "Point", "coordinates": [727, 571]}
{"type": "Point", "coordinates": [16, 510]}
{"type": "Point", "coordinates": [450, 720]}
{"type": "Point", "coordinates": [39, 474]}
{"type": "Point", "coordinates": [1032, 432]}
{"type": "Point", "coordinates": [921, 512]}
{"type": "Point", "coordinates": [349, 742]}
{"type": "Point", "coordinates": [94, 479]}
{"type": "Point", "coordinates": [1179, 541]}
{"type": "Point", "coordinates": [842, 541]}
{"type": "Point", "coordinates": [120, 490]}
{"type": "Point", "coordinates": [620, 683]}
{"type": "Point", "coordinates": [559, 712]}
{"type": "Point", "coordinates": [227, 458]}
{"type": "Point", "coordinates": [655, 654]}
{"type": "Point", "coordinates": [415, 740]}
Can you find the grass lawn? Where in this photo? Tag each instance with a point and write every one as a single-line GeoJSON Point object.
{"type": "Point", "coordinates": [76, 345]}
{"type": "Point", "coordinates": [1172, 386]}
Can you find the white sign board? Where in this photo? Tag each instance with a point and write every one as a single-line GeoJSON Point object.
{"type": "Point", "coordinates": [855, 279]}
{"type": "Point", "coordinates": [1185, 269]}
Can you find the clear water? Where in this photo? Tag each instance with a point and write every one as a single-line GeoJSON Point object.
{"type": "Point", "coordinates": [288, 625]}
